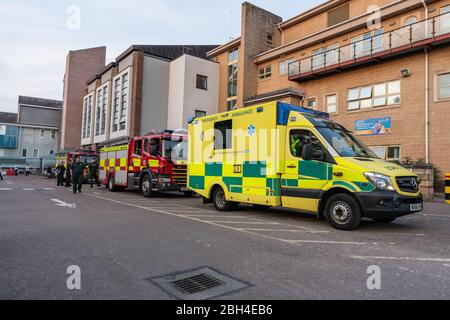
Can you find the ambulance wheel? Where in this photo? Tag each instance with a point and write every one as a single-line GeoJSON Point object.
{"type": "Point", "coordinates": [343, 212]}
{"type": "Point", "coordinates": [111, 186]}
{"type": "Point", "coordinates": [146, 186]}
{"type": "Point", "coordinates": [220, 202]}
{"type": "Point", "coordinates": [386, 220]}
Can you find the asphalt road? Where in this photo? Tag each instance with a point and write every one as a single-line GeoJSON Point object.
{"type": "Point", "coordinates": [119, 240]}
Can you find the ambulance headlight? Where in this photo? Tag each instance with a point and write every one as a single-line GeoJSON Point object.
{"type": "Point", "coordinates": [380, 181]}
{"type": "Point", "coordinates": [164, 180]}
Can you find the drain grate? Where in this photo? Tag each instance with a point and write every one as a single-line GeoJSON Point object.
{"type": "Point", "coordinates": [199, 284]}
{"type": "Point", "coordinates": [196, 284]}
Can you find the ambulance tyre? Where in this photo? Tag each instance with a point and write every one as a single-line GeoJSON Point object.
{"type": "Point", "coordinates": [343, 212]}
{"type": "Point", "coordinates": [111, 186]}
{"type": "Point", "coordinates": [220, 202]}
{"type": "Point", "coordinates": [146, 186]}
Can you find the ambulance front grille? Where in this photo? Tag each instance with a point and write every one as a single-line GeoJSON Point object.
{"type": "Point", "coordinates": [179, 175]}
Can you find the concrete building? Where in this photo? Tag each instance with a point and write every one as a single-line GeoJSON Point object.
{"type": "Point", "coordinates": [148, 88]}
{"type": "Point", "coordinates": [31, 134]}
{"type": "Point", "coordinates": [80, 66]}
{"type": "Point", "coordinates": [386, 68]}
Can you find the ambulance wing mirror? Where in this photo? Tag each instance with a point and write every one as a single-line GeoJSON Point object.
{"type": "Point", "coordinates": [312, 152]}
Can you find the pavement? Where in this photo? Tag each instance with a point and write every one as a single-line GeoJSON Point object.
{"type": "Point", "coordinates": [120, 240]}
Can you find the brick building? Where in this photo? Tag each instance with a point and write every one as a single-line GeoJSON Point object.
{"type": "Point", "coordinates": [148, 87]}
{"type": "Point", "coordinates": [80, 66]}
{"type": "Point", "coordinates": [382, 71]}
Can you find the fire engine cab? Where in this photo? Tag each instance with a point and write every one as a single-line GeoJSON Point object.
{"type": "Point", "coordinates": [156, 162]}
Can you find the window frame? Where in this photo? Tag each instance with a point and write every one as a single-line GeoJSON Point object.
{"type": "Point", "coordinates": [265, 73]}
{"type": "Point", "coordinates": [285, 64]}
{"type": "Point", "coordinates": [200, 84]}
{"type": "Point", "coordinates": [438, 87]}
{"type": "Point", "coordinates": [386, 151]}
{"type": "Point", "coordinates": [35, 154]}
{"type": "Point", "coordinates": [42, 134]}
{"type": "Point", "coordinates": [26, 152]}
{"type": "Point", "coordinates": [374, 96]}
{"type": "Point", "coordinates": [307, 100]}
{"type": "Point", "coordinates": [327, 105]}
{"type": "Point", "coordinates": [204, 113]}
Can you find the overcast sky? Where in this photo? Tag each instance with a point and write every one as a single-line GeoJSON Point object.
{"type": "Point", "coordinates": [35, 36]}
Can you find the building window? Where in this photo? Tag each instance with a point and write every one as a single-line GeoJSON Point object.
{"type": "Point", "coordinates": [444, 86]}
{"type": "Point", "coordinates": [100, 114]}
{"type": "Point", "coordinates": [87, 117]}
{"type": "Point", "coordinates": [270, 40]}
{"type": "Point", "coordinates": [379, 95]}
{"type": "Point", "coordinates": [338, 15]}
{"type": "Point", "coordinates": [120, 102]}
{"type": "Point", "coordinates": [223, 135]}
{"type": "Point", "coordinates": [233, 56]}
{"type": "Point", "coordinates": [200, 113]}
{"type": "Point", "coordinates": [311, 103]}
{"type": "Point", "coordinates": [284, 67]}
{"type": "Point", "coordinates": [202, 82]}
{"type": "Point", "coordinates": [232, 80]}
{"type": "Point", "coordinates": [53, 134]}
{"type": "Point", "coordinates": [24, 152]}
{"type": "Point", "coordinates": [35, 153]}
{"type": "Point", "coordinates": [368, 43]}
{"type": "Point", "coordinates": [325, 56]}
{"type": "Point", "coordinates": [331, 103]}
{"type": "Point", "coordinates": [231, 104]}
{"type": "Point", "coordinates": [390, 153]}
{"type": "Point", "coordinates": [42, 134]}
{"type": "Point", "coordinates": [124, 102]}
{"type": "Point", "coordinates": [265, 73]}
{"type": "Point", "coordinates": [52, 152]}
{"type": "Point", "coordinates": [444, 20]}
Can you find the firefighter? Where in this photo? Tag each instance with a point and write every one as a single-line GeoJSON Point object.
{"type": "Point", "coordinates": [60, 171]}
{"type": "Point", "coordinates": [68, 174]}
{"type": "Point", "coordinates": [93, 173]}
{"type": "Point", "coordinates": [77, 171]}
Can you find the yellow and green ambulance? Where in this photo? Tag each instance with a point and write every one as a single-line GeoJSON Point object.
{"type": "Point", "coordinates": [279, 155]}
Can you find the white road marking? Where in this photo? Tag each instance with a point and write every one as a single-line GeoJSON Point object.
{"type": "Point", "coordinates": [28, 189]}
{"type": "Point", "coordinates": [245, 222]}
{"type": "Point", "coordinates": [206, 222]}
{"type": "Point", "coordinates": [49, 189]}
{"type": "Point", "coordinates": [60, 203]}
{"type": "Point", "coordinates": [437, 215]}
{"type": "Point", "coordinates": [5, 189]}
{"type": "Point", "coordinates": [8, 182]}
{"type": "Point", "coordinates": [401, 258]}
{"type": "Point", "coordinates": [284, 230]}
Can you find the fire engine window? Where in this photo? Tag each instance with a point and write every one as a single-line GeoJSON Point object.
{"type": "Point", "coordinates": [138, 147]}
{"type": "Point", "coordinates": [146, 146]}
{"type": "Point", "coordinates": [223, 135]}
{"type": "Point", "coordinates": [154, 147]}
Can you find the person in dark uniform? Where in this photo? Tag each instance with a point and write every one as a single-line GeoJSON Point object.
{"type": "Point", "coordinates": [93, 173]}
{"type": "Point", "coordinates": [68, 174]}
{"type": "Point", "coordinates": [60, 171]}
{"type": "Point", "coordinates": [77, 175]}
{"type": "Point", "coordinates": [1, 175]}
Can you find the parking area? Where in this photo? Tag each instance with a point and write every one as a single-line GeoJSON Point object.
{"type": "Point", "coordinates": [281, 253]}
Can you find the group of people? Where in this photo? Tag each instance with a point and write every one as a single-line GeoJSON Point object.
{"type": "Point", "coordinates": [75, 174]}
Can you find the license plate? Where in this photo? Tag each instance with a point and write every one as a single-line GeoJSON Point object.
{"type": "Point", "coordinates": [416, 207]}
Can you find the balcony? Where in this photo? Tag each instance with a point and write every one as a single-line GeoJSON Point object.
{"type": "Point", "coordinates": [373, 47]}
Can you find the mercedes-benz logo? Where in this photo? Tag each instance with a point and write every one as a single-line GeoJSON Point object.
{"type": "Point", "coordinates": [414, 184]}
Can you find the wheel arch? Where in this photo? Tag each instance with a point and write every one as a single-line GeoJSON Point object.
{"type": "Point", "coordinates": [334, 191]}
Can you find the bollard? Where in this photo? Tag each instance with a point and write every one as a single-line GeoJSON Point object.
{"type": "Point", "coordinates": [447, 188]}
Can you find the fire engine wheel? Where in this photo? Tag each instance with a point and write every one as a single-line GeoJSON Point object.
{"type": "Point", "coordinates": [111, 186]}
{"type": "Point", "coordinates": [146, 186]}
{"type": "Point", "coordinates": [220, 202]}
{"type": "Point", "coordinates": [343, 212]}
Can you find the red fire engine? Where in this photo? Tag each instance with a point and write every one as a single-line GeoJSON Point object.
{"type": "Point", "coordinates": [152, 163]}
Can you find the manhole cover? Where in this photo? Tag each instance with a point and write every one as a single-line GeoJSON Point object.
{"type": "Point", "coordinates": [199, 284]}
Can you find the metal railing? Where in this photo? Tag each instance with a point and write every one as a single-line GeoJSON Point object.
{"type": "Point", "coordinates": [375, 45]}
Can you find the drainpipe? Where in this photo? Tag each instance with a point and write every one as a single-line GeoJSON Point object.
{"type": "Point", "coordinates": [427, 118]}
{"type": "Point", "coordinates": [282, 34]}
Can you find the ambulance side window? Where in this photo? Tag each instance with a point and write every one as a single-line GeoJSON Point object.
{"type": "Point", "coordinates": [223, 135]}
{"type": "Point", "coordinates": [138, 147]}
{"type": "Point", "coordinates": [298, 138]}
